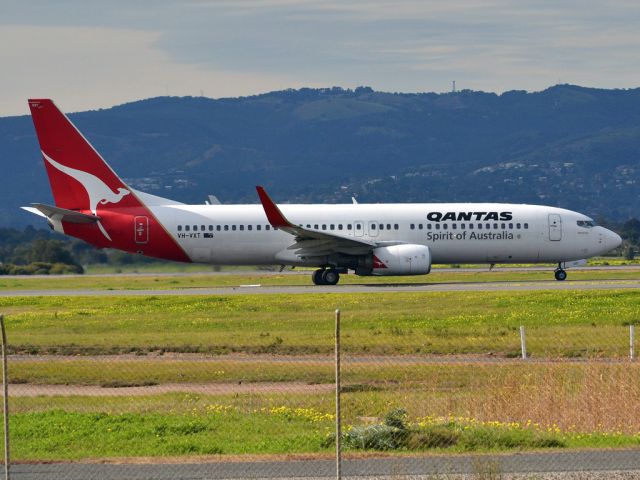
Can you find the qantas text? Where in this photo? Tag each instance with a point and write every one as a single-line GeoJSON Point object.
{"type": "Point", "coordinates": [468, 216]}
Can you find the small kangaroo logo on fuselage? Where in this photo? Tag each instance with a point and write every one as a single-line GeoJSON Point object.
{"type": "Point", "coordinates": [98, 191]}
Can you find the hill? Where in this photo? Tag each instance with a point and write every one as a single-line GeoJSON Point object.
{"type": "Point", "coordinates": [567, 146]}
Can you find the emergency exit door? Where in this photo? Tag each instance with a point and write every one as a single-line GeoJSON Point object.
{"type": "Point", "coordinates": [555, 227]}
{"type": "Point", "coordinates": [141, 229]}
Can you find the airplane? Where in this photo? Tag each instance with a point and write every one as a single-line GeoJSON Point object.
{"type": "Point", "coordinates": [92, 203]}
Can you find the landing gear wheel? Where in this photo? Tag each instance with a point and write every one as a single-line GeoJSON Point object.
{"type": "Point", "coordinates": [330, 277]}
{"type": "Point", "coordinates": [317, 277]}
{"type": "Point", "coordinates": [560, 275]}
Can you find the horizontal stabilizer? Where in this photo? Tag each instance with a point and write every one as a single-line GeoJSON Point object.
{"type": "Point", "coordinates": [61, 214]}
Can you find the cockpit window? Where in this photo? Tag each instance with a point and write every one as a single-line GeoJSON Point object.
{"type": "Point", "coordinates": [586, 223]}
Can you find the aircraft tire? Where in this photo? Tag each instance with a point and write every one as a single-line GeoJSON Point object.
{"type": "Point", "coordinates": [330, 277]}
{"type": "Point", "coordinates": [317, 277]}
{"type": "Point", "coordinates": [560, 275]}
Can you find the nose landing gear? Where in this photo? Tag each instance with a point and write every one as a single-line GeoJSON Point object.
{"type": "Point", "coordinates": [328, 276]}
{"type": "Point", "coordinates": [560, 273]}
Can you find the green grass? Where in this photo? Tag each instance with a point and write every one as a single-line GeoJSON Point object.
{"type": "Point", "coordinates": [199, 425]}
{"type": "Point", "coordinates": [57, 435]}
{"type": "Point", "coordinates": [559, 323]}
{"type": "Point", "coordinates": [193, 279]}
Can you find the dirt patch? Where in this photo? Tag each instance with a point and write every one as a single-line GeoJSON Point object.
{"type": "Point", "coordinates": [30, 390]}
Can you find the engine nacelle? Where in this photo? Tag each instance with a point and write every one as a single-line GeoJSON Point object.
{"type": "Point", "coordinates": [401, 260]}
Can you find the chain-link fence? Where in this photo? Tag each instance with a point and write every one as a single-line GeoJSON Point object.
{"type": "Point", "coordinates": [244, 387]}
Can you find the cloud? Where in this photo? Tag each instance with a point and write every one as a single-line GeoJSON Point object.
{"type": "Point", "coordinates": [240, 47]}
{"type": "Point", "coordinates": [83, 68]}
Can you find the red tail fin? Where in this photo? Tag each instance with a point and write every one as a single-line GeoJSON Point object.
{"type": "Point", "coordinates": [82, 181]}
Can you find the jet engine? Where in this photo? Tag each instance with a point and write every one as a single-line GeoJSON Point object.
{"type": "Point", "coordinates": [407, 259]}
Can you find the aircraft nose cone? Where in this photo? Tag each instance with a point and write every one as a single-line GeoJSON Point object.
{"type": "Point", "coordinates": [613, 240]}
{"type": "Point", "coordinates": [617, 240]}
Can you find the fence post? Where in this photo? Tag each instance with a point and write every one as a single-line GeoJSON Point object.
{"type": "Point", "coordinates": [523, 343]}
{"type": "Point", "coordinates": [5, 388]}
{"type": "Point", "coordinates": [632, 334]}
{"type": "Point", "coordinates": [338, 419]}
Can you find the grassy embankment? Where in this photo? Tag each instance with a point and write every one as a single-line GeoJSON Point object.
{"type": "Point", "coordinates": [559, 323]}
{"type": "Point", "coordinates": [193, 280]}
{"type": "Point", "coordinates": [481, 405]}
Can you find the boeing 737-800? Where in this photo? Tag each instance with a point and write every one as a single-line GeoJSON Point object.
{"type": "Point", "coordinates": [92, 203]}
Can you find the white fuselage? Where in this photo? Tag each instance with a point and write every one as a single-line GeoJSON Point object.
{"type": "Point", "coordinates": [241, 234]}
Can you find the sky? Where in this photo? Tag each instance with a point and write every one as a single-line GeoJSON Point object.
{"type": "Point", "coordinates": [87, 54]}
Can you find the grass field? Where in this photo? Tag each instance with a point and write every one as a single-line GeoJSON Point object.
{"type": "Point", "coordinates": [192, 279]}
{"type": "Point", "coordinates": [483, 407]}
{"type": "Point", "coordinates": [559, 323]}
{"type": "Point", "coordinates": [397, 347]}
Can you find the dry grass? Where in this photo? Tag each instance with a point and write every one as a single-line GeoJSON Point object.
{"type": "Point", "coordinates": [558, 397]}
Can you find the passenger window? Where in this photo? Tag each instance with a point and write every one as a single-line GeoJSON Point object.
{"type": "Point", "coordinates": [241, 227]}
{"type": "Point", "coordinates": [316, 226]}
{"type": "Point", "coordinates": [488, 226]}
{"type": "Point", "coordinates": [445, 226]}
{"type": "Point", "coordinates": [202, 228]}
{"type": "Point", "coordinates": [495, 225]}
{"type": "Point", "coordinates": [502, 226]}
{"type": "Point", "coordinates": [471, 226]}
{"type": "Point", "coordinates": [187, 228]}
{"type": "Point", "coordinates": [526, 226]}
{"type": "Point", "coordinates": [308, 226]}
{"type": "Point", "coordinates": [396, 226]}
{"type": "Point", "coordinates": [211, 228]}
{"type": "Point", "coordinates": [511, 226]}
{"type": "Point", "coordinates": [454, 226]}
{"type": "Point", "coordinates": [381, 226]}
{"type": "Point", "coordinates": [226, 228]}
{"type": "Point", "coordinates": [479, 226]}
{"type": "Point", "coordinates": [249, 227]}
{"type": "Point", "coordinates": [179, 228]}
{"type": "Point", "coordinates": [233, 227]}
{"type": "Point", "coordinates": [412, 226]}
{"type": "Point", "coordinates": [389, 226]}
{"type": "Point", "coordinates": [332, 227]}
{"type": "Point", "coordinates": [420, 226]}
{"type": "Point", "coordinates": [358, 226]}
{"type": "Point", "coordinates": [348, 226]}
{"type": "Point", "coordinates": [218, 228]}
{"type": "Point", "coordinates": [373, 226]}
{"type": "Point", "coordinates": [258, 227]}
{"type": "Point", "coordinates": [339, 226]}
{"type": "Point", "coordinates": [518, 226]}
{"type": "Point", "coordinates": [462, 226]}
{"type": "Point", "coordinates": [267, 227]}
{"type": "Point", "coordinates": [195, 228]}
{"type": "Point", "coordinates": [324, 226]}
{"type": "Point", "coordinates": [437, 226]}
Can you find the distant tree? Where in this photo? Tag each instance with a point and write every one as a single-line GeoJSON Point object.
{"type": "Point", "coordinates": [43, 250]}
{"type": "Point", "coordinates": [631, 231]}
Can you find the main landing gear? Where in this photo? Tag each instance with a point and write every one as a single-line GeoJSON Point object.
{"type": "Point", "coordinates": [328, 276]}
{"type": "Point", "coordinates": [560, 273]}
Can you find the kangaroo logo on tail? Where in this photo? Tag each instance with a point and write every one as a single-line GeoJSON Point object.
{"type": "Point", "coordinates": [98, 191]}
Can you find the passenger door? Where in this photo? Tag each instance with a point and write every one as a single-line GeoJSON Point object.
{"type": "Point", "coordinates": [555, 227]}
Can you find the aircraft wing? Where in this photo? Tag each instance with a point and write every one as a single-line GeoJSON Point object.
{"type": "Point", "coordinates": [312, 242]}
{"type": "Point", "coordinates": [62, 214]}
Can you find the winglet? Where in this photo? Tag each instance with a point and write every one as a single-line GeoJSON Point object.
{"type": "Point", "coordinates": [274, 215]}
